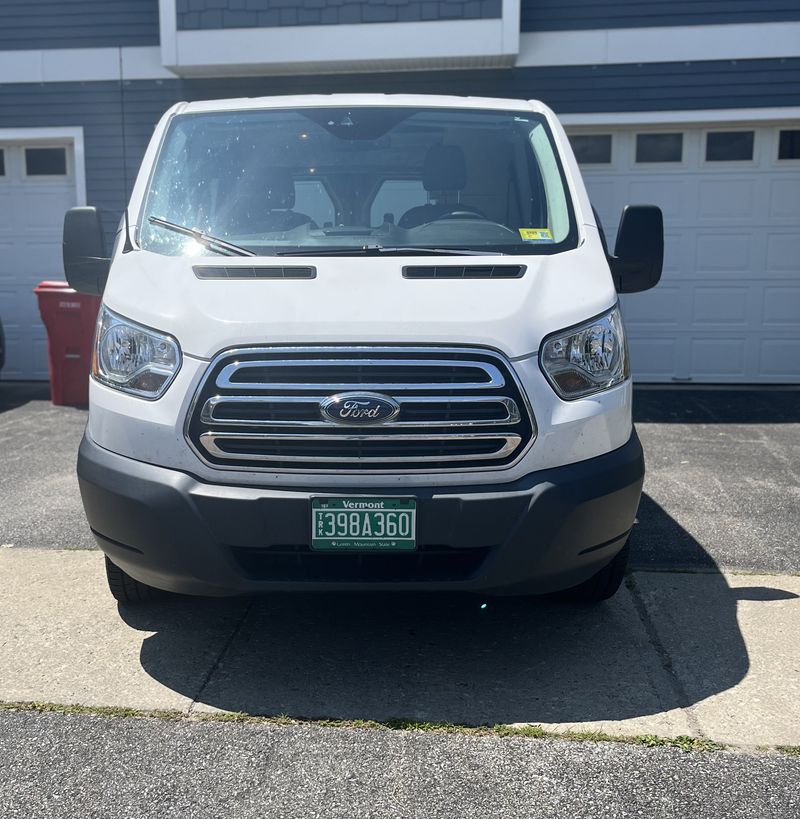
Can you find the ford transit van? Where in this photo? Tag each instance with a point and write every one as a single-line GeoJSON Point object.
{"type": "Point", "coordinates": [361, 342]}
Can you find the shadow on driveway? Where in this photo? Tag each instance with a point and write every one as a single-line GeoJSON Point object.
{"type": "Point", "coordinates": [684, 405]}
{"type": "Point", "coordinates": [449, 659]}
{"type": "Point", "coordinates": [15, 394]}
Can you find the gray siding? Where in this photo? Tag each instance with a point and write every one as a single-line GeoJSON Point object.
{"type": "Point", "coordinates": [77, 23]}
{"type": "Point", "coordinates": [215, 14]}
{"type": "Point", "coordinates": [563, 15]}
{"type": "Point", "coordinates": [98, 106]}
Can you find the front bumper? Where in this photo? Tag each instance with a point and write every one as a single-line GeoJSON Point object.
{"type": "Point", "coordinates": [548, 531]}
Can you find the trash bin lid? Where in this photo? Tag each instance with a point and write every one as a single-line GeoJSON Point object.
{"type": "Point", "coordinates": [45, 286]}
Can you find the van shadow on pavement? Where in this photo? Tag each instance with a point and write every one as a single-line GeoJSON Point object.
{"type": "Point", "coordinates": [448, 659]}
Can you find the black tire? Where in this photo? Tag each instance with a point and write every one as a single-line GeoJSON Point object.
{"type": "Point", "coordinates": [126, 589]}
{"type": "Point", "coordinates": [605, 583]}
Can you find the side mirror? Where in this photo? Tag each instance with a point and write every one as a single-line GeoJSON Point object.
{"type": "Point", "coordinates": [86, 264]}
{"type": "Point", "coordinates": [639, 251]}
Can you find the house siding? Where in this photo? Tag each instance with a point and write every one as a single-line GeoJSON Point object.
{"type": "Point", "coordinates": [565, 15]}
{"type": "Point", "coordinates": [221, 14]}
{"type": "Point", "coordinates": [98, 106]}
{"type": "Point", "coordinates": [77, 23]}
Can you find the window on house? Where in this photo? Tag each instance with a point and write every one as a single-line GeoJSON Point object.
{"type": "Point", "coordinates": [789, 144]}
{"type": "Point", "coordinates": [591, 149]}
{"type": "Point", "coordinates": [45, 161]}
{"type": "Point", "coordinates": [729, 146]}
{"type": "Point", "coordinates": [659, 147]}
{"type": "Point", "coordinates": [2, 162]}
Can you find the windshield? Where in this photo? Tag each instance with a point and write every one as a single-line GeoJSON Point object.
{"type": "Point", "coordinates": [353, 179]}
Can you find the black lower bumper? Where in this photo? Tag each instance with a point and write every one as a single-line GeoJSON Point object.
{"type": "Point", "coordinates": [547, 531]}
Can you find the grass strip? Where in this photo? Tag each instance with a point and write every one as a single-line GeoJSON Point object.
{"type": "Point", "coordinates": [526, 731]}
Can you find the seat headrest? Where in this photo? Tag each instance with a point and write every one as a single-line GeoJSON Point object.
{"type": "Point", "coordinates": [278, 187]}
{"type": "Point", "coordinates": [445, 169]}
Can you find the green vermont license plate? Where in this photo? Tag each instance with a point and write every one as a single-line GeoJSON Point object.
{"type": "Point", "coordinates": [363, 524]}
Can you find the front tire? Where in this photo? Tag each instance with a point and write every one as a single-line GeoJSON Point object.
{"type": "Point", "coordinates": [605, 583]}
{"type": "Point", "coordinates": [126, 589]}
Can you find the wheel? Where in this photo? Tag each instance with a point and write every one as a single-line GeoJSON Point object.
{"type": "Point", "coordinates": [125, 588]}
{"type": "Point", "coordinates": [605, 583]}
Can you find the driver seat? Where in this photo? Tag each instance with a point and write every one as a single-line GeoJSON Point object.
{"type": "Point", "coordinates": [444, 173]}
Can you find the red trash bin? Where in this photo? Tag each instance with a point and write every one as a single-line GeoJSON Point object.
{"type": "Point", "coordinates": [70, 318]}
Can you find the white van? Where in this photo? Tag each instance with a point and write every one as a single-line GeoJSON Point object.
{"type": "Point", "coordinates": [356, 342]}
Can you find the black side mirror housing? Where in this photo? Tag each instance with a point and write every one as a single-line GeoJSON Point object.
{"type": "Point", "coordinates": [86, 264]}
{"type": "Point", "coordinates": [639, 252]}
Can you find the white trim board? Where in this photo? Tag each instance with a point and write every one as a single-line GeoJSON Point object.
{"type": "Point", "coordinates": [441, 44]}
{"type": "Point", "coordinates": [72, 135]}
{"type": "Point", "coordinates": [660, 44]}
{"type": "Point", "coordinates": [482, 42]}
{"type": "Point", "coordinates": [82, 64]}
{"type": "Point", "coordinates": [344, 48]}
{"type": "Point", "coordinates": [728, 115]}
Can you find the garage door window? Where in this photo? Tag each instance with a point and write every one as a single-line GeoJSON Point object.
{"type": "Point", "coordinates": [789, 145]}
{"type": "Point", "coordinates": [659, 148]}
{"type": "Point", "coordinates": [729, 146]}
{"type": "Point", "coordinates": [592, 149]}
{"type": "Point", "coordinates": [45, 161]}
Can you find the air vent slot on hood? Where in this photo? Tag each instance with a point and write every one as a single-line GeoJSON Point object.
{"type": "Point", "coordinates": [272, 272]}
{"type": "Point", "coordinates": [471, 271]}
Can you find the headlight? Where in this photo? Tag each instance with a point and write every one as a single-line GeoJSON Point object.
{"type": "Point", "coordinates": [133, 358]}
{"type": "Point", "coordinates": [588, 358]}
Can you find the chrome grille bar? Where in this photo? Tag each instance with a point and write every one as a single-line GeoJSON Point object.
{"type": "Point", "coordinates": [509, 406]}
{"type": "Point", "coordinates": [506, 443]}
{"type": "Point", "coordinates": [494, 378]}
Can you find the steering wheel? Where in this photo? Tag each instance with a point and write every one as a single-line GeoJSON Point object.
{"type": "Point", "coordinates": [460, 214]}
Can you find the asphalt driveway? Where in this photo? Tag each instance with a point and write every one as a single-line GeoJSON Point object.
{"type": "Point", "coordinates": [690, 648]}
{"type": "Point", "coordinates": [722, 487]}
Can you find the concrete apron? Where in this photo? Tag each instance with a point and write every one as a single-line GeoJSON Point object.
{"type": "Point", "coordinates": [704, 654]}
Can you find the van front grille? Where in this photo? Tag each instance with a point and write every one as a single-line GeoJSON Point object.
{"type": "Point", "coordinates": [456, 409]}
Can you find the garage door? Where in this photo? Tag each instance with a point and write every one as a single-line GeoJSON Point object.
{"type": "Point", "coordinates": [37, 185]}
{"type": "Point", "coordinates": [728, 306]}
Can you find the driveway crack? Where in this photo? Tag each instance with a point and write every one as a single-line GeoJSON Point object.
{"type": "Point", "coordinates": [223, 651]}
{"type": "Point", "coordinates": [679, 691]}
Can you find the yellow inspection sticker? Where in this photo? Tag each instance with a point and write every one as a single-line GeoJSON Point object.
{"type": "Point", "coordinates": [536, 234]}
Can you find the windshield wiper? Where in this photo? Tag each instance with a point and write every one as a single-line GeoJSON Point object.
{"type": "Point", "coordinates": [377, 250]}
{"type": "Point", "coordinates": [210, 242]}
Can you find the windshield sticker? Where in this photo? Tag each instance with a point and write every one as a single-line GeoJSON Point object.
{"type": "Point", "coordinates": [536, 235]}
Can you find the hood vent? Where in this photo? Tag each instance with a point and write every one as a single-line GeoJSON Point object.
{"type": "Point", "coordinates": [272, 272]}
{"type": "Point", "coordinates": [471, 271]}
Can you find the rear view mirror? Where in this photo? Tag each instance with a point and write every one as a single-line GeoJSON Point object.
{"type": "Point", "coordinates": [639, 251]}
{"type": "Point", "coordinates": [86, 264]}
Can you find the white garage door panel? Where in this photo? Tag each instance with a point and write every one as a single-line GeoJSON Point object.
{"type": "Point", "coordinates": [727, 309]}
{"type": "Point", "coordinates": [31, 218]}
{"type": "Point", "coordinates": [781, 306]}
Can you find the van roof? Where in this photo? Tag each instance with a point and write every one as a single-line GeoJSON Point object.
{"type": "Point", "coordinates": [338, 100]}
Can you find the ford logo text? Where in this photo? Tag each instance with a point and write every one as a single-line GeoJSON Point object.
{"type": "Point", "coordinates": [359, 408]}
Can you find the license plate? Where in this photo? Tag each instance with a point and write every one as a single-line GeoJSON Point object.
{"type": "Point", "coordinates": [363, 524]}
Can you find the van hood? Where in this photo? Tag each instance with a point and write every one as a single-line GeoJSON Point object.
{"type": "Point", "coordinates": [362, 300]}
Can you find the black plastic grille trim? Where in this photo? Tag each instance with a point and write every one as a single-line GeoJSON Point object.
{"type": "Point", "coordinates": [472, 271]}
{"type": "Point", "coordinates": [237, 272]}
{"type": "Point", "coordinates": [299, 563]}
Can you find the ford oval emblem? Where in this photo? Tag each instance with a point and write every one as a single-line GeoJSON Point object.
{"type": "Point", "coordinates": [359, 408]}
